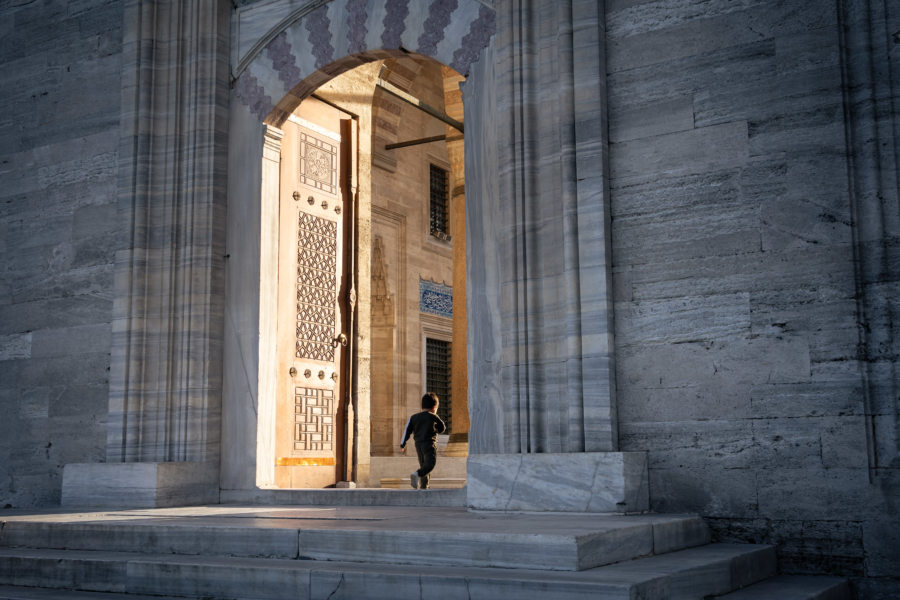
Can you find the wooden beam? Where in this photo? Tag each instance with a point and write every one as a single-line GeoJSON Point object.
{"type": "Point", "coordinates": [434, 138]}
{"type": "Point", "coordinates": [412, 100]}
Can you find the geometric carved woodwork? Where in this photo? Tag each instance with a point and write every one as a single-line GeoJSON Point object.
{"type": "Point", "coordinates": [313, 421]}
{"type": "Point", "coordinates": [316, 287]}
{"type": "Point", "coordinates": [318, 164]}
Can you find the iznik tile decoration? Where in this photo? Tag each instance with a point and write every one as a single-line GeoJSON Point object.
{"type": "Point", "coordinates": [435, 298]}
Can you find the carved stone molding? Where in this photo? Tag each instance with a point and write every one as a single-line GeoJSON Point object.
{"type": "Point", "coordinates": [382, 299]}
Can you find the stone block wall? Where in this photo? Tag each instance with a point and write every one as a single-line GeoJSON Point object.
{"type": "Point", "coordinates": [736, 305]}
{"type": "Point", "coordinates": [60, 65]}
{"type": "Point", "coordinates": [736, 336]}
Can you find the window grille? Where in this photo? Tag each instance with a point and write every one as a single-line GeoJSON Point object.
{"type": "Point", "coordinates": [440, 197]}
{"type": "Point", "coordinates": [438, 376]}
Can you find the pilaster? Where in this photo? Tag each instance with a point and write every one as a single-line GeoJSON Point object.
{"type": "Point", "coordinates": [871, 97]}
{"type": "Point", "coordinates": [268, 294]}
{"type": "Point", "coordinates": [540, 312]}
{"type": "Point", "coordinates": [542, 375]}
{"type": "Point", "coordinates": [166, 377]}
{"type": "Point", "coordinates": [165, 381]}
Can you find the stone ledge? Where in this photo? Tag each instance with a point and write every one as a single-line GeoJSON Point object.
{"type": "Point", "coordinates": [139, 485]}
{"type": "Point", "coordinates": [695, 573]}
{"type": "Point", "coordinates": [437, 483]}
{"type": "Point", "coordinates": [603, 482]}
{"type": "Point", "coordinates": [357, 497]}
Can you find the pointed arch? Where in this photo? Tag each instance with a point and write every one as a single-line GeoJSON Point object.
{"type": "Point", "coordinates": [323, 39]}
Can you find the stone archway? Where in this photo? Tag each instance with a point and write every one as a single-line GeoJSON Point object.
{"type": "Point", "coordinates": [282, 60]}
{"type": "Point", "coordinates": [288, 62]}
{"type": "Point", "coordinates": [184, 385]}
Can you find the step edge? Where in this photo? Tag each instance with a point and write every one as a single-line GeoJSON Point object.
{"type": "Point", "coordinates": [590, 577]}
{"type": "Point", "coordinates": [826, 584]}
{"type": "Point", "coordinates": [289, 542]}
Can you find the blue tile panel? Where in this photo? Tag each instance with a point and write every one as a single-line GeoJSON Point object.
{"type": "Point", "coordinates": [435, 298]}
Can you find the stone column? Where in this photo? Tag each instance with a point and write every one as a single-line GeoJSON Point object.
{"type": "Point", "coordinates": [543, 434]}
{"type": "Point", "coordinates": [165, 381]}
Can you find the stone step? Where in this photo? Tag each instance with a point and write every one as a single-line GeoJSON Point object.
{"type": "Point", "coordinates": [436, 483]}
{"type": "Point", "coordinates": [794, 587]}
{"type": "Point", "coordinates": [10, 592]}
{"type": "Point", "coordinates": [453, 537]}
{"type": "Point", "coordinates": [509, 542]}
{"type": "Point", "coordinates": [347, 497]}
{"type": "Point", "coordinates": [686, 574]}
{"type": "Point", "coordinates": [783, 587]}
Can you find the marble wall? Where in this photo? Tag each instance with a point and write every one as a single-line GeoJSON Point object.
{"type": "Point", "coordinates": [743, 194]}
{"type": "Point", "coordinates": [743, 225]}
{"type": "Point", "coordinates": [60, 110]}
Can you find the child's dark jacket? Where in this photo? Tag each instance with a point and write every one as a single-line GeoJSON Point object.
{"type": "Point", "coordinates": [423, 427]}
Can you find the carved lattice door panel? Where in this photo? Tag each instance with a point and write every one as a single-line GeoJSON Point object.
{"type": "Point", "coordinates": [313, 286]}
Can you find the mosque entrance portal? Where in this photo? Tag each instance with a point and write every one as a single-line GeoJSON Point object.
{"type": "Point", "coordinates": [314, 296]}
{"type": "Point", "coordinates": [364, 276]}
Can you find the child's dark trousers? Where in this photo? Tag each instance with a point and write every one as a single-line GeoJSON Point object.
{"type": "Point", "coordinates": [427, 453]}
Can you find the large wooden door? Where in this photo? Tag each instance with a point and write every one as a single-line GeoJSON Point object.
{"type": "Point", "coordinates": [313, 288]}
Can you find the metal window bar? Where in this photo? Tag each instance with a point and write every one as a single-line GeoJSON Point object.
{"type": "Point", "coordinates": [440, 222]}
{"type": "Point", "coordinates": [438, 376]}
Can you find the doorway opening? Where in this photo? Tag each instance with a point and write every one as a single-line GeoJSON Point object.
{"type": "Point", "coordinates": [370, 267]}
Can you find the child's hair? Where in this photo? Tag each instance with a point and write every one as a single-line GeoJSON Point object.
{"type": "Point", "coordinates": [429, 400]}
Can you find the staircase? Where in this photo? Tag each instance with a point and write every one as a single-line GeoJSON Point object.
{"type": "Point", "coordinates": [292, 552]}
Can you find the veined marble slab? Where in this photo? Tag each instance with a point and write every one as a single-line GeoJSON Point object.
{"type": "Point", "coordinates": [139, 485]}
{"type": "Point", "coordinates": [568, 482]}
